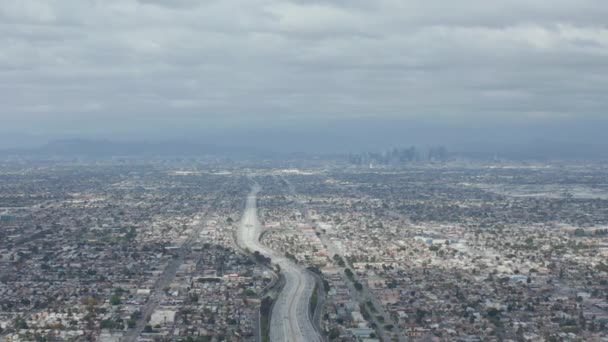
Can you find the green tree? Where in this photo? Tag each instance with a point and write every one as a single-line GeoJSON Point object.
{"type": "Point", "coordinates": [20, 323]}
{"type": "Point", "coordinates": [348, 273]}
{"type": "Point", "coordinates": [107, 324]}
{"type": "Point", "coordinates": [358, 286]}
{"type": "Point", "coordinates": [115, 299]}
{"type": "Point", "coordinates": [334, 333]}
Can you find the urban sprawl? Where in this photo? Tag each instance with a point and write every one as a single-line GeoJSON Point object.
{"type": "Point", "coordinates": [173, 251]}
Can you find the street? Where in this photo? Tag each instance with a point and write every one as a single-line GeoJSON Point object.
{"type": "Point", "coordinates": [290, 320]}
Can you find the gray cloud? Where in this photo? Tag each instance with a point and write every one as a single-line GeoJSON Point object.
{"type": "Point", "coordinates": [241, 62]}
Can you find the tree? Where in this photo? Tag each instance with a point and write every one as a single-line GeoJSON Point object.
{"type": "Point", "coordinates": [334, 333]}
{"type": "Point", "coordinates": [358, 286]}
{"type": "Point", "coordinates": [420, 315]}
{"type": "Point", "coordinates": [348, 272]}
{"type": "Point", "coordinates": [338, 259]}
{"type": "Point", "coordinates": [115, 299]}
{"type": "Point", "coordinates": [131, 234]}
{"type": "Point", "coordinates": [108, 324]}
{"type": "Point", "coordinates": [493, 312]}
{"type": "Point", "coordinates": [20, 323]}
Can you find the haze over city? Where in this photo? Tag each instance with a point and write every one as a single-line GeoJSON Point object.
{"type": "Point", "coordinates": [303, 171]}
{"type": "Point", "coordinates": [472, 71]}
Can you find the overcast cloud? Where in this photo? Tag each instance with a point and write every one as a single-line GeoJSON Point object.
{"type": "Point", "coordinates": [124, 64]}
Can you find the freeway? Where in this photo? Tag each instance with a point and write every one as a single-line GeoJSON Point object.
{"type": "Point", "coordinates": [290, 319]}
{"type": "Point", "coordinates": [365, 295]}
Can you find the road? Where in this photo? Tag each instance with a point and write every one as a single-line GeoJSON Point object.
{"type": "Point", "coordinates": [365, 294]}
{"type": "Point", "coordinates": [163, 281]}
{"type": "Point", "coordinates": [166, 278]}
{"type": "Point", "coordinates": [290, 319]}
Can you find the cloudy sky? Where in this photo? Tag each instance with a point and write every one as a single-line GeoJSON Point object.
{"type": "Point", "coordinates": [124, 66]}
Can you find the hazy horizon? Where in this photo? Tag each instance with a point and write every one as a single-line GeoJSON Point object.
{"type": "Point", "coordinates": [303, 170]}
{"type": "Point", "coordinates": [293, 76]}
{"type": "Point", "coordinates": [583, 139]}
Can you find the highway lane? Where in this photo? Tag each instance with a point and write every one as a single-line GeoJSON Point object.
{"type": "Point", "coordinates": [290, 318]}
{"type": "Point", "coordinates": [360, 296]}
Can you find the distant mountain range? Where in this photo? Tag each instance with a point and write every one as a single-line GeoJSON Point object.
{"type": "Point", "coordinates": [103, 149]}
{"type": "Point", "coordinates": [81, 148]}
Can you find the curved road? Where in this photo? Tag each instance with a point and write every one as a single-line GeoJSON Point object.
{"type": "Point", "coordinates": [290, 319]}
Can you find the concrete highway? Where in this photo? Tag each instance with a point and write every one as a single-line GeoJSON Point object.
{"type": "Point", "coordinates": [363, 296]}
{"type": "Point", "coordinates": [290, 319]}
